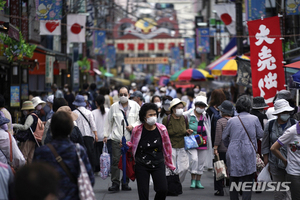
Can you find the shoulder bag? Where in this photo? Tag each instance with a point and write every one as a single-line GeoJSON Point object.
{"type": "Point", "coordinates": [259, 163]}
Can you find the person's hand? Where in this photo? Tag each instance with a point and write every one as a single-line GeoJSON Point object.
{"type": "Point", "coordinates": [216, 151]}
{"type": "Point", "coordinates": [285, 163]}
{"type": "Point", "coordinates": [105, 139]}
{"type": "Point", "coordinates": [189, 131]}
{"type": "Point", "coordinates": [121, 145]}
{"type": "Point", "coordinates": [96, 138]}
{"type": "Point", "coordinates": [129, 128]}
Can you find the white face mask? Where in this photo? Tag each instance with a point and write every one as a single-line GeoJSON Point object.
{"type": "Point", "coordinates": [158, 104]}
{"type": "Point", "coordinates": [85, 97]}
{"type": "Point", "coordinates": [284, 117]}
{"type": "Point", "coordinates": [179, 112]}
{"type": "Point", "coordinates": [123, 99]}
{"type": "Point", "coordinates": [39, 107]}
{"type": "Point", "coordinates": [166, 107]}
{"type": "Point", "coordinates": [151, 120]}
{"type": "Point", "coordinates": [199, 110]}
{"type": "Point", "coordinates": [25, 112]}
{"type": "Point", "coordinates": [170, 88]}
{"type": "Point", "coordinates": [162, 94]}
{"type": "Point", "coordinates": [66, 89]}
{"type": "Point", "coordinates": [196, 90]}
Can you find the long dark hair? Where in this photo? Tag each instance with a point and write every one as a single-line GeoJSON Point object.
{"type": "Point", "coordinates": [100, 101]}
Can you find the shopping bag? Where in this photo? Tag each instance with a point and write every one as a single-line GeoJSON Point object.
{"type": "Point", "coordinates": [190, 142]}
{"type": "Point", "coordinates": [174, 185]}
{"type": "Point", "coordinates": [220, 169]}
{"type": "Point", "coordinates": [104, 163]}
{"type": "Point", "coordinates": [129, 165]}
{"type": "Point", "coordinates": [264, 175]}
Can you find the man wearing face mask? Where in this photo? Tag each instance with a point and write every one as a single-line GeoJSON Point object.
{"type": "Point", "coordinates": [178, 127]}
{"type": "Point", "coordinates": [171, 91]}
{"type": "Point", "coordinates": [273, 130]}
{"type": "Point", "coordinates": [165, 111]}
{"type": "Point", "coordinates": [128, 111]}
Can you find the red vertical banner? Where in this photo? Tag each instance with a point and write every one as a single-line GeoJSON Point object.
{"type": "Point", "coordinates": [266, 58]}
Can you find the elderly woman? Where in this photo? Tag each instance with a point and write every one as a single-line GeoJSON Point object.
{"type": "Point", "coordinates": [61, 127]}
{"type": "Point", "coordinates": [241, 155]}
{"type": "Point", "coordinates": [273, 130]}
{"type": "Point", "coordinates": [226, 111]}
{"type": "Point", "coordinates": [165, 110]}
{"type": "Point", "coordinates": [199, 122]}
{"type": "Point", "coordinates": [178, 127]}
{"type": "Point", "coordinates": [152, 151]}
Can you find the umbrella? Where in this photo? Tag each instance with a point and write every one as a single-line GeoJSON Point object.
{"type": "Point", "coordinates": [227, 67]}
{"type": "Point", "coordinates": [175, 75]}
{"type": "Point", "coordinates": [124, 149]}
{"type": "Point", "coordinates": [107, 74]}
{"type": "Point", "coordinates": [194, 74]}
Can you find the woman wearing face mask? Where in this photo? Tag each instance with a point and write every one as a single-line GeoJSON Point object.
{"type": "Point", "coordinates": [273, 130]}
{"type": "Point", "coordinates": [178, 127]}
{"type": "Point", "coordinates": [166, 100]}
{"type": "Point", "coordinates": [38, 105]}
{"type": "Point", "coordinates": [151, 148]}
{"type": "Point", "coordinates": [199, 123]}
{"type": "Point", "coordinates": [157, 100]}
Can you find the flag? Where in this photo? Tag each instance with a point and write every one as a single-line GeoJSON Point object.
{"type": "Point", "coordinates": [244, 72]}
{"type": "Point", "coordinates": [49, 9]}
{"type": "Point", "coordinates": [50, 27]}
{"type": "Point", "coordinates": [189, 48]}
{"type": "Point", "coordinates": [76, 28]}
{"type": "Point", "coordinates": [266, 58]}
{"type": "Point", "coordinates": [226, 12]}
{"type": "Point", "coordinates": [99, 42]}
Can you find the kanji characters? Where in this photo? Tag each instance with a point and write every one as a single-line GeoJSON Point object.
{"type": "Point", "coordinates": [262, 36]}
{"type": "Point", "coordinates": [266, 59]}
{"type": "Point", "coordinates": [269, 81]}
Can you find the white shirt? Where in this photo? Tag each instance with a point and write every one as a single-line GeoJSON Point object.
{"type": "Point", "coordinates": [291, 138]}
{"type": "Point", "coordinates": [100, 120]}
{"type": "Point", "coordinates": [83, 125]}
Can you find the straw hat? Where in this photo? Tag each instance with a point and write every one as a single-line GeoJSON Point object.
{"type": "Point", "coordinates": [281, 106]}
{"type": "Point", "coordinates": [68, 110]}
{"type": "Point", "coordinates": [176, 101]}
{"type": "Point", "coordinates": [27, 105]}
{"type": "Point", "coordinates": [36, 101]}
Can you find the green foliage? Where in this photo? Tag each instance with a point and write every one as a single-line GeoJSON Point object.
{"type": "Point", "coordinates": [84, 64]}
{"type": "Point", "coordinates": [202, 65]}
{"type": "Point", "coordinates": [2, 4]}
{"type": "Point", "coordinates": [102, 70]}
{"type": "Point", "coordinates": [287, 46]}
{"type": "Point", "coordinates": [16, 50]}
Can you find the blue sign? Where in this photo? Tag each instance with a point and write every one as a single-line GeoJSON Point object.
{"type": "Point", "coordinates": [99, 42]}
{"type": "Point", "coordinates": [14, 96]}
{"type": "Point", "coordinates": [292, 7]}
{"type": "Point", "coordinates": [202, 44]}
{"type": "Point", "coordinates": [110, 56]}
{"type": "Point", "coordinates": [255, 9]}
{"type": "Point", "coordinates": [189, 48]}
{"type": "Point", "coordinates": [163, 69]}
{"type": "Point", "coordinates": [49, 9]}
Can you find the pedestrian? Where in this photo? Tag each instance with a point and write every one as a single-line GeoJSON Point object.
{"type": "Point", "coordinates": [100, 115]}
{"type": "Point", "coordinates": [171, 91]}
{"type": "Point", "coordinates": [291, 140]}
{"type": "Point", "coordinates": [50, 104]}
{"type": "Point", "coordinates": [190, 101]}
{"type": "Point", "coordinates": [127, 110]}
{"type": "Point", "coordinates": [146, 96]}
{"type": "Point", "coordinates": [9, 148]}
{"type": "Point", "coordinates": [94, 94]}
{"type": "Point", "coordinates": [69, 96]}
{"type": "Point", "coordinates": [227, 110]}
{"type": "Point", "coordinates": [105, 92]}
{"type": "Point", "coordinates": [199, 123]}
{"type": "Point", "coordinates": [274, 129]}
{"type": "Point", "coordinates": [6, 182]}
{"type": "Point", "coordinates": [178, 127]}
{"type": "Point", "coordinates": [165, 110]}
{"type": "Point", "coordinates": [28, 142]}
{"type": "Point", "coordinates": [138, 97]}
{"type": "Point", "coordinates": [38, 181]}
{"type": "Point", "coordinates": [87, 127]}
{"type": "Point", "coordinates": [6, 114]}
{"type": "Point", "coordinates": [157, 100]}
{"type": "Point", "coordinates": [241, 152]}
{"type": "Point", "coordinates": [38, 104]}
{"type": "Point", "coordinates": [61, 127]}
{"type": "Point", "coordinates": [151, 148]}
{"type": "Point", "coordinates": [56, 92]}
{"type": "Point", "coordinates": [86, 91]}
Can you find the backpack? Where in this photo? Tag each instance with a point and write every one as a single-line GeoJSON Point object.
{"type": "Point", "coordinates": [215, 117]}
{"type": "Point", "coordinates": [39, 130]}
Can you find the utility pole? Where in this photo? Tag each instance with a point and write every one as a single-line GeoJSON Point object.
{"type": "Point", "coordinates": [127, 4]}
{"type": "Point", "coordinates": [239, 26]}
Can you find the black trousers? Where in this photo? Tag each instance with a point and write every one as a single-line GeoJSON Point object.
{"type": "Point", "coordinates": [234, 195]}
{"type": "Point", "coordinates": [220, 183]}
{"type": "Point", "coordinates": [89, 144]}
{"type": "Point", "coordinates": [98, 151]}
{"type": "Point", "coordinates": [142, 174]}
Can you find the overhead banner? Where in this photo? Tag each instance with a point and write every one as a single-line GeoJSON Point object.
{"type": "Point", "coordinates": [266, 58]}
{"type": "Point", "coordinates": [49, 27]}
{"type": "Point", "coordinates": [189, 48]}
{"type": "Point", "coordinates": [202, 40]}
{"type": "Point", "coordinates": [99, 42]}
{"type": "Point", "coordinates": [49, 9]}
{"type": "Point", "coordinates": [255, 9]}
{"type": "Point", "coordinates": [76, 28]}
{"type": "Point", "coordinates": [110, 56]}
{"type": "Point", "coordinates": [146, 60]}
{"type": "Point", "coordinates": [292, 7]}
{"type": "Point", "coordinates": [244, 72]}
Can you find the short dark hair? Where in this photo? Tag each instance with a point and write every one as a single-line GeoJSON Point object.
{"type": "Point", "coordinates": [2, 101]}
{"type": "Point", "coordinates": [243, 104]}
{"type": "Point", "coordinates": [85, 86]}
{"type": "Point", "coordinates": [125, 88]}
{"type": "Point", "coordinates": [190, 94]}
{"type": "Point", "coordinates": [93, 86]}
{"type": "Point", "coordinates": [145, 108]}
{"type": "Point", "coordinates": [155, 96]}
{"type": "Point", "coordinates": [59, 102]}
{"type": "Point", "coordinates": [61, 124]}
{"type": "Point", "coordinates": [36, 181]}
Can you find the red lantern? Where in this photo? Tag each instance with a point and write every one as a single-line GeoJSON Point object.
{"type": "Point", "coordinates": [161, 46]}
{"type": "Point", "coordinates": [151, 46]}
{"type": "Point", "coordinates": [121, 46]}
{"type": "Point", "coordinates": [141, 46]}
{"type": "Point", "coordinates": [131, 46]}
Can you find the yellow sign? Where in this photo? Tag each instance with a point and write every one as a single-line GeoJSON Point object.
{"type": "Point", "coordinates": [146, 24]}
{"type": "Point", "coordinates": [146, 60]}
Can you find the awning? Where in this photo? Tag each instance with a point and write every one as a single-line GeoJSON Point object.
{"type": "Point", "coordinates": [42, 50]}
{"type": "Point", "coordinates": [295, 65]}
{"type": "Point", "coordinates": [97, 71]}
{"type": "Point", "coordinates": [122, 81]}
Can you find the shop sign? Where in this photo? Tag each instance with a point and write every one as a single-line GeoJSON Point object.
{"type": "Point", "coordinates": [14, 96]}
{"type": "Point", "coordinates": [146, 60]}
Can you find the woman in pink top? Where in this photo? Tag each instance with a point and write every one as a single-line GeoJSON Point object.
{"type": "Point", "coordinates": [151, 148]}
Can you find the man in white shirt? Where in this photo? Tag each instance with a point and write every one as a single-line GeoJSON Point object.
{"type": "Point", "coordinates": [113, 127]}
{"type": "Point", "coordinates": [87, 127]}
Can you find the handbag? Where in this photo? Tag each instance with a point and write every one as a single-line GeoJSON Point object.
{"type": "Point", "coordinates": [129, 165]}
{"type": "Point", "coordinates": [85, 188]}
{"type": "Point", "coordinates": [264, 175]}
{"type": "Point", "coordinates": [259, 163]}
{"type": "Point", "coordinates": [104, 163]}
{"type": "Point", "coordinates": [190, 142]}
{"type": "Point", "coordinates": [174, 185]}
{"type": "Point", "coordinates": [220, 169]}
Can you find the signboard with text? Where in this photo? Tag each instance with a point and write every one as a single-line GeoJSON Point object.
{"type": "Point", "coordinates": [147, 60]}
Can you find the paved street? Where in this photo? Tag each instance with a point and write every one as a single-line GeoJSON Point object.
{"type": "Point", "coordinates": [102, 193]}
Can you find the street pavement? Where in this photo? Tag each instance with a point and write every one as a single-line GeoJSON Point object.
{"type": "Point", "coordinates": [102, 193]}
